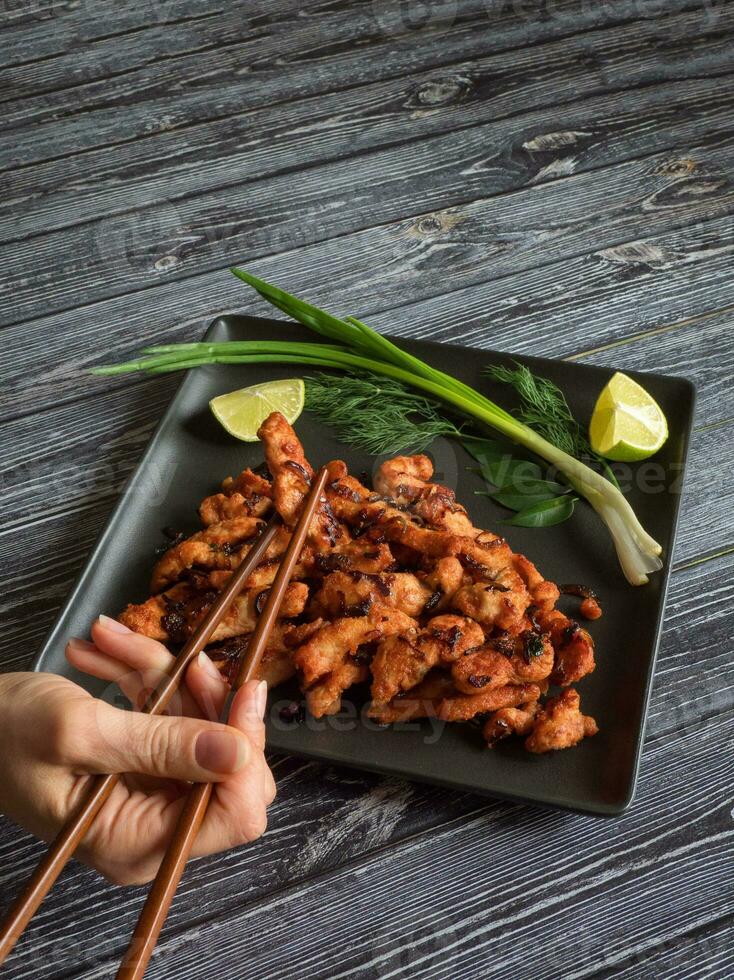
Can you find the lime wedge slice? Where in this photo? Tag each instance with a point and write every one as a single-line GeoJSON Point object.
{"type": "Point", "coordinates": [627, 423]}
{"type": "Point", "coordinates": [242, 412]}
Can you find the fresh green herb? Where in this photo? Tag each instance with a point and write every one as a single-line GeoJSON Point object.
{"type": "Point", "coordinates": [543, 407]}
{"type": "Point", "coordinates": [380, 415]}
{"type": "Point", "coordinates": [546, 513]}
{"type": "Point", "coordinates": [361, 349]}
{"type": "Point", "coordinates": [533, 646]}
{"type": "Point", "coordinates": [376, 414]}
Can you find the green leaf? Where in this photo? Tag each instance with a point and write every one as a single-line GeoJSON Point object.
{"type": "Point", "coordinates": [508, 470]}
{"type": "Point", "coordinates": [545, 514]}
{"type": "Point", "coordinates": [484, 450]}
{"type": "Point", "coordinates": [528, 493]}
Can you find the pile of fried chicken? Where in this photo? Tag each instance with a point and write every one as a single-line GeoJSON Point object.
{"type": "Point", "coordinates": [395, 586]}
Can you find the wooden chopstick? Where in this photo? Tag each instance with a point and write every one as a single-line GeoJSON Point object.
{"type": "Point", "coordinates": [164, 887]}
{"type": "Point", "coordinates": [76, 827]}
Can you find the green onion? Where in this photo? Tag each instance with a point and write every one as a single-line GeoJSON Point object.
{"type": "Point", "coordinates": [358, 349]}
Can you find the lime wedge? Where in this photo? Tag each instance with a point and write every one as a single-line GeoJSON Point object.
{"type": "Point", "coordinates": [627, 423]}
{"type": "Point", "coordinates": [242, 412]}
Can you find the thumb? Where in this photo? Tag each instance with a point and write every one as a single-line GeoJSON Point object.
{"type": "Point", "coordinates": [173, 748]}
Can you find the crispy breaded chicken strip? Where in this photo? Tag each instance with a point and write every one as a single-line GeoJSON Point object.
{"type": "Point", "coordinates": [420, 702]}
{"type": "Point", "coordinates": [402, 661]}
{"type": "Point", "coordinates": [543, 594]}
{"type": "Point", "coordinates": [325, 697]}
{"type": "Point", "coordinates": [509, 721]}
{"type": "Point", "coordinates": [574, 648]}
{"type": "Point", "coordinates": [443, 580]}
{"type": "Point", "coordinates": [507, 660]}
{"type": "Point", "coordinates": [292, 475]}
{"type": "Point", "coordinates": [173, 615]}
{"type": "Point", "coordinates": [217, 547]}
{"type": "Point", "coordinates": [491, 605]}
{"type": "Point", "coordinates": [353, 556]}
{"type": "Point", "coordinates": [560, 724]}
{"type": "Point", "coordinates": [405, 479]}
{"type": "Point", "coordinates": [250, 485]}
{"type": "Point", "coordinates": [331, 645]}
{"type": "Point", "coordinates": [354, 592]}
{"type": "Point", "coordinates": [497, 597]}
{"type": "Point", "coordinates": [275, 667]}
{"type": "Point", "coordinates": [292, 472]}
{"type": "Point", "coordinates": [248, 495]}
{"type": "Point", "coordinates": [465, 707]}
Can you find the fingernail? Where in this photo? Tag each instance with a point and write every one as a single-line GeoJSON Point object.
{"type": "Point", "coordinates": [77, 643]}
{"type": "Point", "coordinates": [207, 665]}
{"type": "Point", "coordinates": [112, 624]}
{"type": "Point", "coordinates": [261, 698]}
{"type": "Point", "coordinates": [221, 752]}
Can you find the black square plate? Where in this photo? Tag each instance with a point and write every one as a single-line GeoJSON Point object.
{"type": "Point", "coordinates": [189, 456]}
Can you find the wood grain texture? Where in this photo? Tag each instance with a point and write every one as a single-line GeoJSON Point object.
{"type": "Point", "coordinates": [311, 131]}
{"type": "Point", "coordinates": [553, 180]}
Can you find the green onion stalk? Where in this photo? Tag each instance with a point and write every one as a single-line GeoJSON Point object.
{"type": "Point", "coordinates": [359, 349]}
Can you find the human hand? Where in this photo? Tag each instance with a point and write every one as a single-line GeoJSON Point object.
{"type": "Point", "coordinates": [54, 735]}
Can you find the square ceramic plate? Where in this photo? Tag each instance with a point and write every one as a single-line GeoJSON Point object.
{"type": "Point", "coordinates": [189, 456]}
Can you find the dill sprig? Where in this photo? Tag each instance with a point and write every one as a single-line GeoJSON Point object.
{"type": "Point", "coordinates": [543, 407]}
{"type": "Point", "coordinates": [376, 414]}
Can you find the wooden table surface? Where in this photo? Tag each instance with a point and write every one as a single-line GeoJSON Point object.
{"type": "Point", "coordinates": [554, 180]}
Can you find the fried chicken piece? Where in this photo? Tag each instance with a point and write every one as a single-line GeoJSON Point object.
{"type": "Point", "coordinates": [491, 605]}
{"type": "Point", "coordinates": [509, 721]}
{"type": "Point", "coordinates": [560, 724]}
{"type": "Point", "coordinates": [173, 615]}
{"type": "Point", "coordinates": [465, 707]}
{"type": "Point", "coordinates": [275, 667]}
{"type": "Point", "coordinates": [590, 608]}
{"type": "Point", "coordinates": [403, 660]}
{"type": "Point", "coordinates": [497, 597]}
{"type": "Point", "coordinates": [292, 476]}
{"type": "Point", "coordinates": [325, 697]}
{"type": "Point", "coordinates": [574, 648]}
{"type": "Point", "coordinates": [442, 581]}
{"type": "Point", "coordinates": [249, 495]}
{"type": "Point", "coordinates": [543, 594]}
{"type": "Point", "coordinates": [425, 541]}
{"type": "Point", "coordinates": [405, 479]}
{"type": "Point", "coordinates": [217, 547]}
{"type": "Point", "coordinates": [330, 646]}
{"type": "Point", "coordinates": [505, 660]}
{"type": "Point", "coordinates": [292, 472]}
{"type": "Point", "coordinates": [420, 702]}
{"type": "Point", "coordinates": [354, 556]}
{"type": "Point", "coordinates": [353, 593]}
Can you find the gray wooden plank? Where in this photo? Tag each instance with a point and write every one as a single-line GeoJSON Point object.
{"type": "Point", "coordinates": [310, 131]}
{"type": "Point", "coordinates": [707, 953]}
{"type": "Point", "coordinates": [172, 93]}
{"type": "Point", "coordinates": [324, 817]}
{"type": "Point", "coordinates": [586, 301]}
{"type": "Point", "coordinates": [174, 240]}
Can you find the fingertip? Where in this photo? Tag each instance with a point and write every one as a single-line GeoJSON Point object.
{"type": "Point", "coordinates": [112, 625]}
{"type": "Point", "coordinates": [207, 686]}
{"type": "Point", "coordinates": [248, 710]}
{"type": "Point", "coordinates": [251, 701]}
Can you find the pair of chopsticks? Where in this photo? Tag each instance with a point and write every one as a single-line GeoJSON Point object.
{"type": "Point", "coordinates": [169, 874]}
